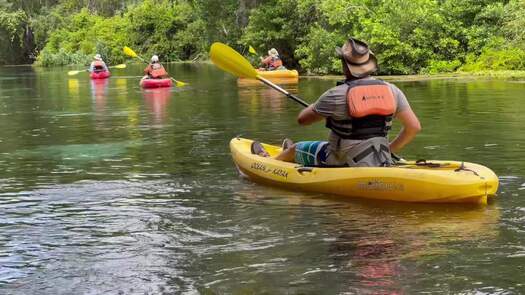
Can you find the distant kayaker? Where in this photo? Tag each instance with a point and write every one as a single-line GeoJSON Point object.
{"type": "Point", "coordinates": [98, 65]}
{"type": "Point", "coordinates": [272, 62]}
{"type": "Point", "coordinates": [359, 113]}
{"type": "Point", "coordinates": [155, 70]}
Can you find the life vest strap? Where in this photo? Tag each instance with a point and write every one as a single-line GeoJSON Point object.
{"type": "Point", "coordinates": [362, 128]}
{"type": "Point", "coordinates": [371, 149]}
{"type": "Point", "coordinates": [373, 152]}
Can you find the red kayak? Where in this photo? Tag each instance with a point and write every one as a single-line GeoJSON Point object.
{"type": "Point", "coordinates": [147, 83]}
{"type": "Point", "coordinates": [100, 75]}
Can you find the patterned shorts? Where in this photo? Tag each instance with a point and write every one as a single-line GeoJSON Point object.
{"type": "Point", "coordinates": [311, 153]}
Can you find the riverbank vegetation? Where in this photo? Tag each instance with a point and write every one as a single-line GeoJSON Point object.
{"type": "Point", "coordinates": [409, 36]}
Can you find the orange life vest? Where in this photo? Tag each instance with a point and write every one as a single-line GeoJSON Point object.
{"type": "Point", "coordinates": [276, 62]}
{"type": "Point", "coordinates": [371, 105]}
{"type": "Point", "coordinates": [272, 62]}
{"type": "Point", "coordinates": [157, 71]}
{"type": "Point", "coordinates": [370, 99]}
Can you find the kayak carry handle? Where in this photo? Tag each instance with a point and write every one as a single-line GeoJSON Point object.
{"type": "Point", "coordinates": [301, 170]}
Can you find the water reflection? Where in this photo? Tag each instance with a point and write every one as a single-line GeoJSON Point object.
{"type": "Point", "coordinates": [380, 254]}
{"type": "Point", "coordinates": [73, 87]}
{"type": "Point", "coordinates": [264, 99]}
{"type": "Point", "coordinates": [99, 92]}
{"type": "Point", "coordinates": [158, 100]}
{"type": "Point", "coordinates": [121, 87]}
{"type": "Point", "coordinates": [378, 246]}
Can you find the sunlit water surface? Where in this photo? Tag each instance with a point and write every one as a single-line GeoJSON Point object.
{"type": "Point", "coordinates": [106, 188]}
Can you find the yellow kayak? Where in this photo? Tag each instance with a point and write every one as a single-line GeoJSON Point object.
{"type": "Point", "coordinates": [279, 74]}
{"type": "Point", "coordinates": [279, 81]}
{"type": "Point", "coordinates": [427, 182]}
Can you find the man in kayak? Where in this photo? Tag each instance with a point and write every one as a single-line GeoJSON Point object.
{"type": "Point", "coordinates": [155, 70]}
{"type": "Point", "coordinates": [272, 62]}
{"type": "Point", "coordinates": [359, 113]}
{"type": "Point", "coordinates": [98, 65]}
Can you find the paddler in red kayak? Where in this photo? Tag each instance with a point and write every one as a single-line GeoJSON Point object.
{"type": "Point", "coordinates": [98, 65]}
{"type": "Point", "coordinates": [359, 113]}
{"type": "Point", "coordinates": [272, 62]}
{"type": "Point", "coordinates": [155, 70]}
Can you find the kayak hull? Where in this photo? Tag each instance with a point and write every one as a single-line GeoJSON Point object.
{"type": "Point", "coordinates": [409, 182]}
{"type": "Point", "coordinates": [280, 77]}
{"type": "Point", "coordinates": [279, 74]}
{"type": "Point", "coordinates": [100, 75]}
{"type": "Point", "coordinates": [155, 83]}
{"type": "Point", "coordinates": [279, 81]}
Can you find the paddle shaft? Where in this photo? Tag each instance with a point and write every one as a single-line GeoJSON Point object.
{"type": "Point", "coordinates": [142, 59]}
{"type": "Point", "coordinates": [87, 70]}
{"type": "Point", "coordinates": [288, 94]}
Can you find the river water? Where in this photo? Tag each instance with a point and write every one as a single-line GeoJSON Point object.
{"type": "Point", "coordinates": [109, 189]}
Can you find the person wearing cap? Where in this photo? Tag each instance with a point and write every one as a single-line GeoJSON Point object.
{"type": "Point", "coordinates": [98, 65]}
{"type": "Point", "coordinates": [272, 62]}
{"type": "Point", "coordinates": [155, 70]}
{"type": "Point", "coordinates": [359, 113]}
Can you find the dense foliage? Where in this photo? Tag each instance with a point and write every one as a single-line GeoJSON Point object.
{"type": "Point", "coordinates": [408, 36]}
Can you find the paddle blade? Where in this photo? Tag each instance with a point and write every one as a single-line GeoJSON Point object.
{"type": "Point", "coordinates": [229, 60]}
{"type": "Point", "coordinates": [72, 73]}
{"type": "Point", "coordinates": [180, 83]}
{"type": "Point", "coordinates": [129, 52]}
{"type": "Point", "coordinates": [252, 50]}
{"type": "Point", "coordinates": [121, 66]}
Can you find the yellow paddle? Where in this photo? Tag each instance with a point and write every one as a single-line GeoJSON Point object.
{"type": "Point", "coordinates": [72, 73]}
{"type": "Point", "coordinates": [129, 52]}
{"type": "Point", "coordinates": [229, 60]}
{"type": "Point", "coordinates": [252, 50]}
{"type": "Point", "coordinates": [121, 66]}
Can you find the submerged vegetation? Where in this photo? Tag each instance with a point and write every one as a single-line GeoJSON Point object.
{"type": "Point", "coordinates": [409, 36]}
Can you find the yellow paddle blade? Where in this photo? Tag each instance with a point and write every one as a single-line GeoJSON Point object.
{"type": "Point", "coordinates": [129, 52]}
{"type": "Point", "coordinates": [229, 60]}
{"type": "Point", "coordinates": [121, 66]}
{"type": "Point", "coordinates": [252, 50]}
{"type": "Point", "coordinates": [72, 73]}
{"type": "Point", "coordinates": [180, 83]}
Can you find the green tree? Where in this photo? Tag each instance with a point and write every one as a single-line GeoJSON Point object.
{"type": "Point", "coordinates": [13, 32]}
{"type": "Point", "coordinates": [514, 22]}
{"type": "Point", "coordinates": [172, 30]}
{"type": "Point", "coordinates": [281, 24]}
{"type": "Point", "coordinates": [219, 23]}
{"type": "Point", "coordinates": [408, 36]}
